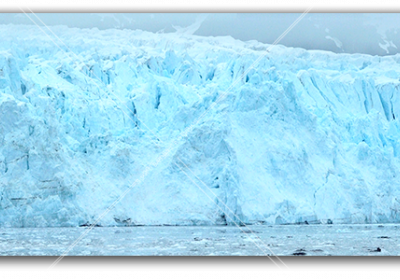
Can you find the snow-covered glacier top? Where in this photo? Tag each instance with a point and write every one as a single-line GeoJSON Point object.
{"type": "Point", "coordinates": [176, 126]}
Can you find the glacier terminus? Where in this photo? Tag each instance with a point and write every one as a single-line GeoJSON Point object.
{"type": "Point", "coordinates": [178, 126]}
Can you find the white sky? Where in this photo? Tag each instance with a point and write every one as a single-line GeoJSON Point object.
{"type": "Point", "coordinates": [376, 34]}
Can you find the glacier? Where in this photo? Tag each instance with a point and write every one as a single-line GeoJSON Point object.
{"type": "Point", "coordinates": [175, 126]}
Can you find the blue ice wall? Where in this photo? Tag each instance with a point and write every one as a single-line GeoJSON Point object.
{"type": "Point", "coordinates": [85, 114]}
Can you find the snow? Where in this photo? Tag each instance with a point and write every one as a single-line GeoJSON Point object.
{"type": "Point", "coordinates": [304, 136]}
{"type": "Point", "coordinates": [387, 45]}
{"type": "Point", "coordinates": [336, 41]}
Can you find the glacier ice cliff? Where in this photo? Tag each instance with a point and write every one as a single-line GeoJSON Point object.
{"type": "Point", "coordinates": [303, 137]}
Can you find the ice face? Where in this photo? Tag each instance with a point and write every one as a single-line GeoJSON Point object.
{"type": "Point", "coordinates": [175, 125]}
